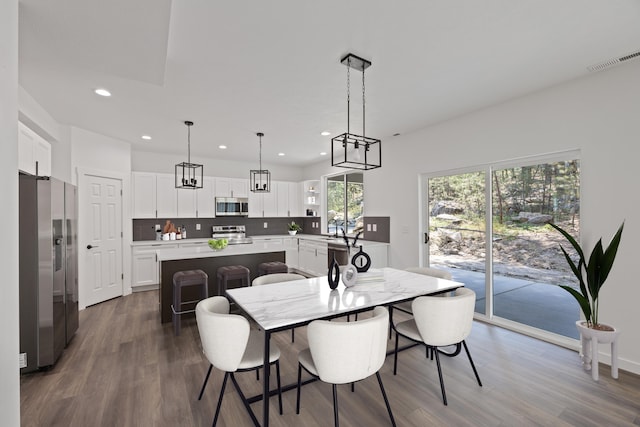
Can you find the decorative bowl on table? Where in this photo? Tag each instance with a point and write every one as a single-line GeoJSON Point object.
{"type": "Point", "coordinates": [218, 244]}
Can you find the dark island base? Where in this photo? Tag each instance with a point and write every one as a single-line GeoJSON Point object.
{"type": "Point", "coordinates": [210, 266]}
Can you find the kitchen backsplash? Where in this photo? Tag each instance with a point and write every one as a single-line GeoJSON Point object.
{"type": "Point", "coordinates": [144, 229]}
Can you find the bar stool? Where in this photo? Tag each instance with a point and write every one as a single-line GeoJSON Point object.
{"type": "Point", "coordinates": [232, 272]}
{"type": "Point", "coordinates": [272, 267]}
{"type": "Point", "coordinates": [183, 279]}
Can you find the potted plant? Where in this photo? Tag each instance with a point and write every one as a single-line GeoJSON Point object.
{"type": "Point", "coordinates": [293, 228]}
{"type": "Point", "coordinates": [592, 274]}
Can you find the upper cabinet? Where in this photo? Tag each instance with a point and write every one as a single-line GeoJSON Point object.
{"type": "Point", "coordinates": [144, 195]}
{"type": "Point", "coordinates": [155, 196]}
{"type": "Point", "coordinates": [33, 150]}
{"type": "Point", "coordinates": [232, 187]}
{"type": "Point", "coordinates": [282, 201]}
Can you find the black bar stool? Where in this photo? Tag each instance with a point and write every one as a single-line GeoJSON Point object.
{"type": "Point", "coordinates": [183, 279]}
{"type": "Point", "coordinates": [272, 267]}
{"type": "Point", "coordinates": [232, 272]}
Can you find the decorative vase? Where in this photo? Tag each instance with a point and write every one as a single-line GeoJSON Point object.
{"type": "Point", "coordinates": [589, 340]}
{"type": "Point", "coordinates": [333, 275]}
{"type": "Point", "coordinates": [292, 232]}
{"type": "Point", "coordinates": [361, 261]}
{"type": "Point", "coordinates": [349, 275]}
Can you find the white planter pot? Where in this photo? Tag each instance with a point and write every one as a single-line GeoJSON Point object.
{"type": "Point", "coordinates": [292, 232]}
{"type": "Point", "coordinates": [589, 339]}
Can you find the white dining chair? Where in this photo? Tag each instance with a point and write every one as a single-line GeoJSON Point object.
{"type": "Point", "coordinates": [230, 345]}
{"type": "Point", "coordinates": [276, 278]}
{"type": "Point", "coordinates": [346, 352]}
{"type": "Point", "coordinates": [439, 322]}
{"type": "Point", "coordinates": [405, 306]}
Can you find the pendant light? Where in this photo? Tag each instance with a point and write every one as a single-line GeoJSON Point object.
{"type": "Point", "coordinates": [188, 175]}
{"type": "Point", "coordinates": [349, 150]}
{"type": "Point", "coordinates": [260, 179]}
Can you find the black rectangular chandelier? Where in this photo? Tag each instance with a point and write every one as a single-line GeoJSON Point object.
{"type": "Point", "coordinates": [188, 175]}
{"type": "Point", "coordinates": [260, 179]}
{"type": "Point", "coordinates": [350, 150]}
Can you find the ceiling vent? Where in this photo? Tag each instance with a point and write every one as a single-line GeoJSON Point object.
{"type": "Point", "coordinates": [613, 62]}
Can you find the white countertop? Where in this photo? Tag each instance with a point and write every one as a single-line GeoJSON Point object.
{"type": "Point", "coordinates": [311, 237]}
{"type": "Point", "coordinates": [206, 252]}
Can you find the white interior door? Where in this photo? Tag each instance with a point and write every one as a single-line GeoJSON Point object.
{"type": "Point", "coordinates": [102, 231]}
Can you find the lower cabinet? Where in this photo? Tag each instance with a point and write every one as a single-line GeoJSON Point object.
{"type": "Point", "coordinates": [145, 265]}
{"type": "Point", "coordinates": [313, 257]}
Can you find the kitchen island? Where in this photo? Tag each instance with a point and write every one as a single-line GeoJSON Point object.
{"type": "Point", "coordinates": [205, 259]}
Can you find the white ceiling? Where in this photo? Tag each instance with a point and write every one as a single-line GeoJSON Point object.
{"type": "Point", "coordinates": [239, 67]}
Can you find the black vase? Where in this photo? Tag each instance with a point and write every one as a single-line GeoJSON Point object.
{"type": "Point", "coordinates": [333, 275]}
{"type": "Point", "coordinates": [361, 265]}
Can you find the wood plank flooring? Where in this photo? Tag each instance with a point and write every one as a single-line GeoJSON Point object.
{"type": "Point", "coordinates": [123, 368]}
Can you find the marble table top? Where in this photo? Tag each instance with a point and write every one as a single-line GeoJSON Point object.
{"type": "Point", "coordinates": [280, 305]}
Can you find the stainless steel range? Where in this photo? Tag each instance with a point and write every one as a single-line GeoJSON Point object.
{"type": "Point", "coordinates": [235, 234]}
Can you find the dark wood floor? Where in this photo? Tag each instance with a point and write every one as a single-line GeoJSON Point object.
{"type": "Point", "coordinates": [124, 368]}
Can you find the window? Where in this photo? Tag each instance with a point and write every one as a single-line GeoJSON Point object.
{"type": "Point", "coordinates": [345, 203]}
{"type": "Point", "coordinates": [488, 226]}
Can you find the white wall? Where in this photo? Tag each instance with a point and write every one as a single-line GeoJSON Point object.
{"type": "Point", "coordinates": [597, 115]}
{"type": "Point", "coordinates": [103, 156]}
{"type": "Point", "coordinates": [143, 161]}
{"type": "Point", "coordinates": [9, 335]}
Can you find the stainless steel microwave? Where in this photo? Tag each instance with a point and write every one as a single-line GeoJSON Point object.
{"type": "Point", "coordinates": [232, 206]}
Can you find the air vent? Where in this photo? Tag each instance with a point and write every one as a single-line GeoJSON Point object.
{"type": "Point", "coordinates": [613, 62]}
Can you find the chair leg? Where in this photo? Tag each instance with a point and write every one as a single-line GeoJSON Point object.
{"type": "Point", "coordinates": [257, 374]}
{"type": "Point", "coordinates": [395, 357]}
{"type": "Point", "coordinates": [444, 395]}
{"type": "Point", "coordinates": [386, 401]}
{"type": "Point", "coordinates": [244, 400]}
{"type": "Point", "coordinates": [206, 378]}
{"type": "Point", "coordinates": [298, 393]}
{"type": "Point", "coordinates": [473, 366]}
{"type": "Point", "coordinates": [335, 405]}
{"type": "Point", "coordinates": [224, 384]}
{"type": "Point", "coordinates": [293, 335]}
{"type": "Point", "coordinates": [279, 385]}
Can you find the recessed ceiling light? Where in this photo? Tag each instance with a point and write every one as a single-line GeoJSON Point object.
{"type": "Point", "coordinates": [102, 92]}
{"type": "Point", "coordinates": [280, 154]}
{"type": "Point", "coordinates": [222, 147]}
{"type": "Point", "coordinates": [325, 133]}
{"type": "Point", "coordinates": [323, 153]}
{"type": "Point", "coordinates": [146, 137]}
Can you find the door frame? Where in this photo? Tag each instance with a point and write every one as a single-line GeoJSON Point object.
{"type": "Point", "coordinates": [82, 176]}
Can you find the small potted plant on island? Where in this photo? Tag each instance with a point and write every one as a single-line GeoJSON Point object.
{"type": "Point", "coordinates": [592, 274]}
{"type": "Point", "coordinates": [293, 228]}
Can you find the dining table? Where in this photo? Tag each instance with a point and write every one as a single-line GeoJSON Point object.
{"type": "Point", "coordinates": [281, 306]}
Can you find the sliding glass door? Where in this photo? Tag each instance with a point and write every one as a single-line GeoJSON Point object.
{"type": "Point", "coordinates": [512, 203]}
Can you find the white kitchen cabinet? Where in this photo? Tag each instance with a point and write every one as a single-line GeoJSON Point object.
{"type": "Point", "coordinates": [232, 187]}
{"type": "Point", "coordinates": [206, 198]}
{"type": "Point", "coordinates": [144, 195]}
{"type": "Point", "coordinates": [145, 267]}
{"type": "Point", "coordinates": [291, 251]}
{"type": "Point", "coordinates": [313, 257]}
{"type": "Point", "coordinates": [166, 196]}
{"type": "Point", "coordinates": [263, 205]}
{"type": "Point", "coordinates": [295, 205]}
{"type": "Point", "coordinates": [288, 198]}
{"type": "Point", "coordinates": [33, 150]}
{"type": "Point", "coordinates": [187, 202]}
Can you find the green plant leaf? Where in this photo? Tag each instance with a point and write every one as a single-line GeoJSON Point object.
{"type": "Point", "coordinates": [582, 300]}
{"type": "Point", "coordinates": [610, 254]}
{"type": "Point", "coordinates": [570, 238]}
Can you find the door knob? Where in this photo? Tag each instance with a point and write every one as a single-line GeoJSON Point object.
{"type": "Point", "coordinates": [91, 247]}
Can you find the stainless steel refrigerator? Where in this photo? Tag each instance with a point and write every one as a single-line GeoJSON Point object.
{"type": "Point", "coordinates": [48, 261]}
